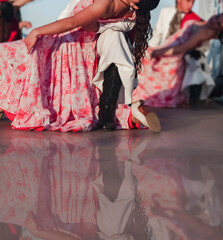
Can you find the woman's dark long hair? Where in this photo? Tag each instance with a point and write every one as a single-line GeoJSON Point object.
{"type": "Point", "coordinates": [143, 32]}
{"type": "Point", "coordinates": [139, 227]}
{"type": "Point", "coordinates": [6, 15]}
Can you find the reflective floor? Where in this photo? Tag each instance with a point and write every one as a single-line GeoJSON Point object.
{"type": "Point", "coordinates": [121, 185]}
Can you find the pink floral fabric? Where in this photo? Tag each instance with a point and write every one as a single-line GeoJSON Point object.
{"type": "Point", "coordinates": [161, 79]}
{"type": "Point", "coordinates": [55, 184]}
{"type": "Point", "coordinates": [51, 88]}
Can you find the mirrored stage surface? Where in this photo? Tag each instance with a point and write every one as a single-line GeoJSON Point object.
{"type": "Point", "coordinates": [120, 185]}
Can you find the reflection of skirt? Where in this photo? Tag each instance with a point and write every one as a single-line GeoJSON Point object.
{"type": "Point", "coordinates": [53, 182]}
{"type": "Point", "coordinates": [50, 89]}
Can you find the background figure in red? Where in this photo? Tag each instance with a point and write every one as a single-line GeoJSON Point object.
{"type": "Point", "coordinates": [171, 19]}
{"type": "Point", "coordinates": [17, 4]}
{"type": "Point", "coordinates": [9, 29]}
{"type": "Point", "coordinates": [9, 25]}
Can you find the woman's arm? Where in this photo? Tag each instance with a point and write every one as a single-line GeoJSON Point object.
{"type": "Point", "coordinates": [204, 33]}
{"type": "Point", "coordinates": [99, 9]}
{"type": "Point", "coordinates": [20, 3]}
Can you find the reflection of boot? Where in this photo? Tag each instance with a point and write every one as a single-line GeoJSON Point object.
{"type": "Point", "coordinates": [109, 167]}
{"type": "Point", "coordinates": [108, 99]}
{"type": "Point", "coordinates": [138, 150]}
{"type": "Point", "coordinates": [195, 91]}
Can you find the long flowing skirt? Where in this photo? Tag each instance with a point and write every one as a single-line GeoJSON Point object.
{"type": "Point", "coordinates": [51, 88]}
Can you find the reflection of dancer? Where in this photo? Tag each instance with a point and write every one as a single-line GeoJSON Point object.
{"type": "Point", "coordinates": [50, 93]}
{"type": "Point", "coordinates": [164, 197]}
{"type": "Point", "coordinates": [120, 215]}
{"type": "Point", "coordinates": [56, 188]}
{"type": "Point", "coordinates": [58, 185]}
{"type": "Point", "coordinates": [166, 201]}
{"type": "Point", "coordinates": [199, 217]}
{"type": "Point", "coordinates": [55, 182]}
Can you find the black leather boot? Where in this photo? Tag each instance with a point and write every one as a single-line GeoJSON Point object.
{"type": "Point", "coordinates": [108, 99]}
{"type": "Point", "coordinates": [195, 91]}
{"type": "Point", "coordinates": [218, 88]}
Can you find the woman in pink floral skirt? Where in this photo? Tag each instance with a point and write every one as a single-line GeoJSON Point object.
{"type": "Point", "coordinates": [48, 86]}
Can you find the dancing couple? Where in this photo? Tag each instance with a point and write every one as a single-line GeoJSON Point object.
{"type": "Point", "coordinates": [46, 79]}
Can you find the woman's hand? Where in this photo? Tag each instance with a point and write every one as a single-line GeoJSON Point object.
{"type": "Point", "coordinates": [133, 4]}
{"type": "Point", "coordinates": [31, 225]}
{"type": "Point", "coordinates": [166, 51]}
{"type": "Point", "coordinates": [25, 24]}
{"type": "Point", "coordinates": [20, 3]}
{"type": "Point", "coordinates": [31, 40]}
{"type": "Point", "coordinates": [156, 53]}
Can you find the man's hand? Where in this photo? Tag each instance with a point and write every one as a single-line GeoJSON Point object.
{"type": "Point", "coordinates": [155, 53]}
{"type": "Point", "coordinates": [20, 3]}
{"type": "Point", "coordinates": [25, 24]}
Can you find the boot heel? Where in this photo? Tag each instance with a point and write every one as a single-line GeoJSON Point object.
{"type": "Point", "coordinates": [149, 120]}
{"type": "Point", "coordinates": [1, 114]}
